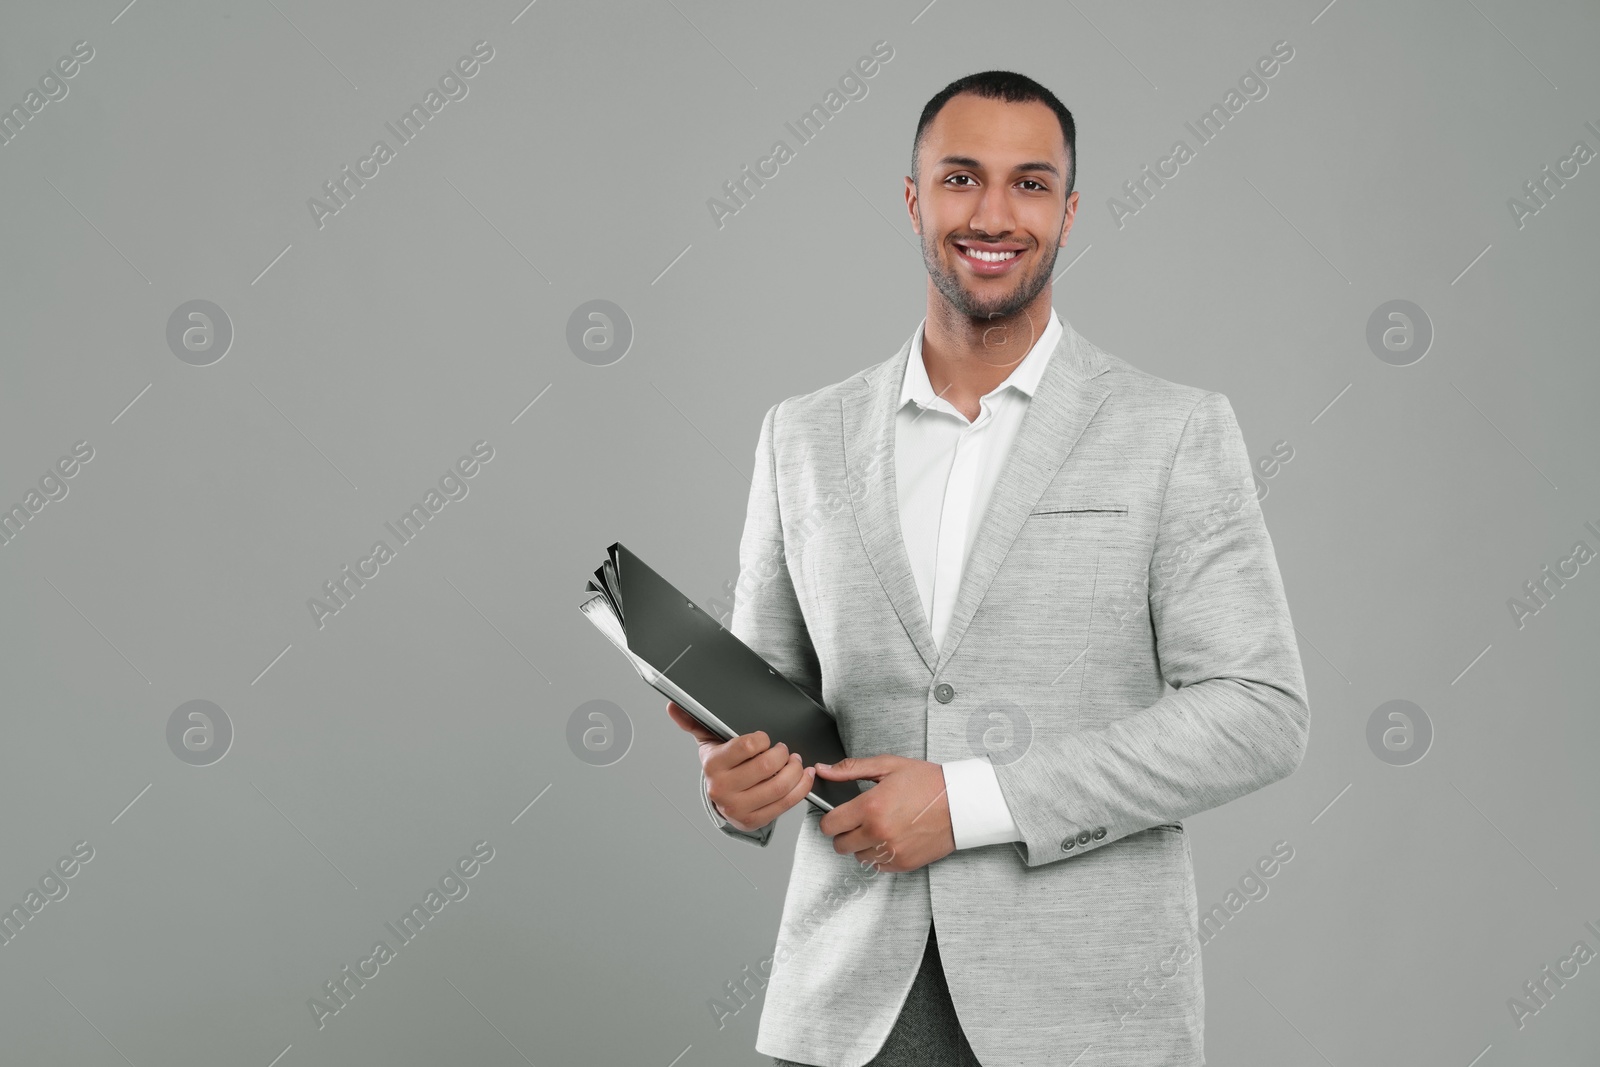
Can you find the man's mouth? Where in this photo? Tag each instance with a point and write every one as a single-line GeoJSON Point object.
{"type": "Point", "coordinates": [988, 260]}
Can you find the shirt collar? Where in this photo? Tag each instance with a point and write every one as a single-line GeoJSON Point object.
{"type": "Point", "coordinates": [1024, 376]}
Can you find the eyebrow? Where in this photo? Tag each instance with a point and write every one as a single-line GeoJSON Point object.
{"type": "Point", "coordinates": [969, 162]}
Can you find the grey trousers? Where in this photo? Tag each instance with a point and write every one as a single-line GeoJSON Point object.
{"type": "Point", "coordinates": [927, 1033]}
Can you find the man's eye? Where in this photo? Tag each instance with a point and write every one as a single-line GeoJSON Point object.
{"type": "Point", "coordinates": [1032, 182]}
{"type": "Point", "coordinates": [953, 177]}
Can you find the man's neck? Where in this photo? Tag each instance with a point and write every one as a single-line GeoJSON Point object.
{"type": "Point", "coordinates": [966, 358]}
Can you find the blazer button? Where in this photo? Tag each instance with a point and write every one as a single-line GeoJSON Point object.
{"type": "Point", "coordinates": [1067, 845]}
{"type": "Point", "coordinates": [944, 692]}
{"type": "Point", "coordinates": [1083, 837]}
{"type": "Point", "coordinates": [1099, 833]}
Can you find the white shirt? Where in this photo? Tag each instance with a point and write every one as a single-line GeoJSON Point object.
{"type": "Point", "coordinates": [945, 469]}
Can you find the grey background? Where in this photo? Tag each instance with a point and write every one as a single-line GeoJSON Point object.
{"type": "Point", "coordinates": [427, 715]}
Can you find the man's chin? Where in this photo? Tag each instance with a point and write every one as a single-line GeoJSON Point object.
{"type": "Point", "coordinates": [988, 303]}
{"type": "Point", "coordinates": [983, 307]}
{"type": "Point", "coordinates": [981, 314]}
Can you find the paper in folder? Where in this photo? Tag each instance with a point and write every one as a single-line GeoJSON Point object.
{"type": "Point", "coordinates": [693, 659]}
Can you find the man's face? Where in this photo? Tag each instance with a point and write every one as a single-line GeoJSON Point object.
{"type": "Point", "coordinates": [993, 178]}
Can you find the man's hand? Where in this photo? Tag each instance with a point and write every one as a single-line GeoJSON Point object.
{"type": "Point", "coordinates": [750, 781]}
{"type": "Point", "coordinates": [902, 823]}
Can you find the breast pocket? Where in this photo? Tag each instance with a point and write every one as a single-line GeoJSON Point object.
{"type": "Point", "coordinates": [1081, 511]}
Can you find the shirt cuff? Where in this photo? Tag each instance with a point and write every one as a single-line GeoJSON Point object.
{"type": "Point", "coordinates": [979, 814]}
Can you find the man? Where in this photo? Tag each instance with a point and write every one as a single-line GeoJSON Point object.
{"type": "Point", "coordinates": [988, 557]}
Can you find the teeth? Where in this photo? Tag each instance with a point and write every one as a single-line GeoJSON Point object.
{"type": "Point", "coordinates": [989, 257]}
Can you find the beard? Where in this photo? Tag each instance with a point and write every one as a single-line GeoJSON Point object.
{"type": "Point", "coordinates": [1001, 305]}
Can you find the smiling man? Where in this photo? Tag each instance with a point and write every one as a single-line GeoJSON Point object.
{"type": "Point", "coordinates": [1026, 743]}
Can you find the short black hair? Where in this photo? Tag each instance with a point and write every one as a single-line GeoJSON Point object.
{"type": "Point", "coordinates": [1013, 89]}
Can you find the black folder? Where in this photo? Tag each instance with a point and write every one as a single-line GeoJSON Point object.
{"type": "Point", "coordinates": [690, 657]}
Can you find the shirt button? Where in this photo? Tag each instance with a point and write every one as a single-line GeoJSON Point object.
{"type": "Point", "coordinates": [1068, 844]}
{"type": "Point", "coordinates": [1083, 837]}
{"type": "Point", "coordinates": [944, 692]}
{"type": "Point", "coordinates": [1099, 833]}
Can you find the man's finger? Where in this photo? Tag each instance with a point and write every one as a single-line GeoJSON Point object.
{"type": "Point", "coordinates": [854, 767]}
{"type": "Point", "coordinates": [738, 750]}
{"type": "Point", "coordinates": [752, 772]}
{"type": "Point", "coordinates": [866, 848]}
{"type": "Point", "coordinates": [794, 795]}
{"type": "Point", "coordinates": [688, 722]}
{"type": "Point", "coordinates": [842, 819]}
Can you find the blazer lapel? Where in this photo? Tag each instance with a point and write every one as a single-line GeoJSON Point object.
{"type": "Point", "coordinates": [1068, 395]}
{"type": "Point", "coordinates": [869, 417]}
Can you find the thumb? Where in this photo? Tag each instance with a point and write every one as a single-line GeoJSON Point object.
{"type": "Point", "coordinates": [688, 723]}
{"type": "Point", "coordinates": [853, 767]}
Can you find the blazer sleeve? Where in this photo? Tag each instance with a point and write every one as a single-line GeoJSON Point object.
{"type": "Point", "coordinates": [1239, 719]}
{"type": "Point", "coordinates": [766, 611]}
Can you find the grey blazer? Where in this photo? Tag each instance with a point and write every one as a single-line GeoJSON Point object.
{"type": "Point", "coordinates": [1123, 551]}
